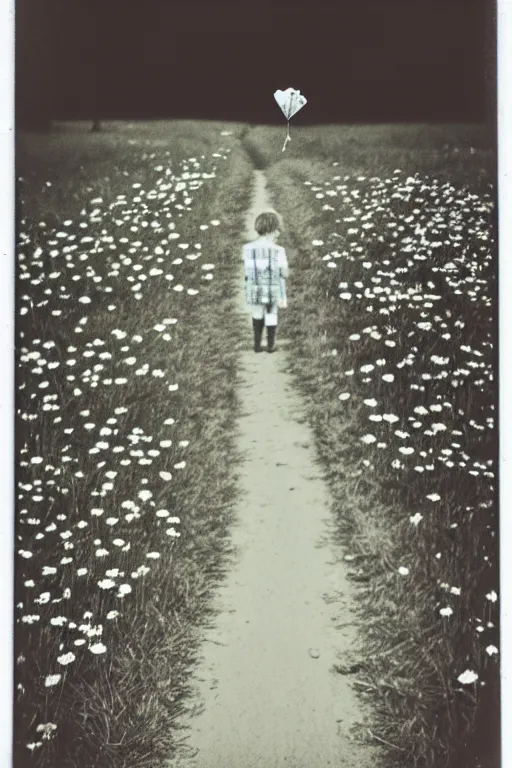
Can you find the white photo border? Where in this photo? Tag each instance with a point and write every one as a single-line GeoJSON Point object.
{"type": "Point", "coordinates": [7, 236]}
{"type": "Point", "coordinates": [7, 231]}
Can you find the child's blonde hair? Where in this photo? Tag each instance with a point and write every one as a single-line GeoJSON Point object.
{"type": "Point", "coordinates": [267, 222]}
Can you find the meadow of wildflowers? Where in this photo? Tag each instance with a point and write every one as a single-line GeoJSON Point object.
{"type": "Point", "coordinates": [126, 407]}
{"type": "Point", "coordinates": [125, 243]}
{"type": "Point", "coordinates": [394, 290]}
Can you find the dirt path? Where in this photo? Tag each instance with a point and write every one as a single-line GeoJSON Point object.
{"type": "Point", "coordinates": [265, 684]}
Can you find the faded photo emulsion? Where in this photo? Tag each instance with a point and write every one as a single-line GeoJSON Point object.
{"type": "Point", "coordinates": [256, 437]}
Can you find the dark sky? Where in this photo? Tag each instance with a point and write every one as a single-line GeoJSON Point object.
{"type": "Point", "coordinates": [355, 60]}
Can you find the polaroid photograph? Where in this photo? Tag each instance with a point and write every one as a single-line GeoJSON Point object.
{"type": "Point", "coordinates": [251, 351]}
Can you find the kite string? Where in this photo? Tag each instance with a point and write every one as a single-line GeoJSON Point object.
{"type": "Point", "coordinates": [288, 137]}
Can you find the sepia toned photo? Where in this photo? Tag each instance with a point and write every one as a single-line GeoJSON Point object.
{"type": "Point", "coordinates": [256, 384]}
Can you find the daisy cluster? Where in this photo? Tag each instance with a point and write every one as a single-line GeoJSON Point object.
{"type": "Point", "coordinates": [97, 455]}
{"type": "Point", "coordinates": [410, 262]}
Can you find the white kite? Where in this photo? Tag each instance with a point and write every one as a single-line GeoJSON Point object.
{"type": "Point", "coordinates": [290, 102]}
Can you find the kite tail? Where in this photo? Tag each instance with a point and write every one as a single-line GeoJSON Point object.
{"type": "Point", "coordinates": [288, 137]}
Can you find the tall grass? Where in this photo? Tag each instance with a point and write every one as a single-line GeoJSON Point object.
{"type": "Point", "coordinates": [453, 153]}
{"type": "Point", "coordinates": [126, 405]}
{"type": "Point", "coordinates": [392, 322]}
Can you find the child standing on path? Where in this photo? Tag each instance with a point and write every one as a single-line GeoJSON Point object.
{"type": "Point", "coordinates": [266, 270]}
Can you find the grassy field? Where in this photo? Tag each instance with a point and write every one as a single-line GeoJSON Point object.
{"type": "Point", "coordinates": [392, 321]}
{"type": "Point", "coordinates": [127, 356]}
{"type": "Point", "coordinates": [126, 402]}
{"type": "Point", "coordinates": [455, 153]}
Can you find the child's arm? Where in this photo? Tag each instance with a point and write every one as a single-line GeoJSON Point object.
{"type": "Point", "coordinates": [245, 257]}
{"type": "Point", "coordinates": [283, 264]}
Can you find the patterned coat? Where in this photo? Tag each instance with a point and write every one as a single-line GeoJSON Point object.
{"type": "Point", "coordinates": [266, 269]}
